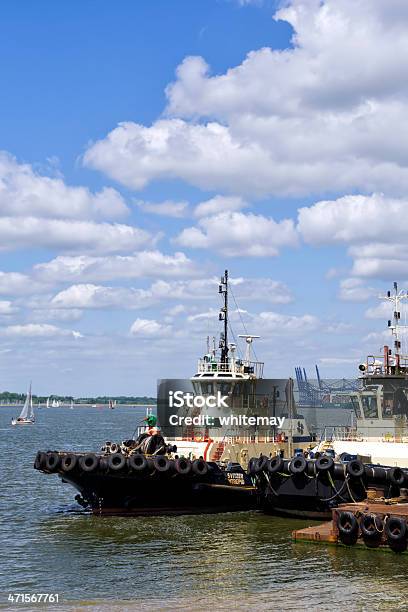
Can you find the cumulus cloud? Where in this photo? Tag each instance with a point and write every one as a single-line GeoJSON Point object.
{"type": "Point", "coordinates": [238, 234]}
{"type": "Point", "coordinates": [166, 209]}
{"type": "Point", "coordinates": [277, 323]}
{"type": "Point", "coordinates": [149, 328]}
{"type": "Point", "coordinates": [15, 283]}
{"type": "Point", "coordinates": [374, 227]}
{"type": "Point", "coordinates": [327, 114]}
{"type": "Point", "coordinates": [23, 192]}
{"type": "Point", "coordinates": [70, 235]}
{"type": "Point", "coordinates": [7, 308]}
{"type": "Point", "coordinates": [67, 268]}
{"type": "Point", "coordinates": [354, 290]}
{"type": "Point", "coordinates": [36, 330]}
{"type": "Point", "coordinates": [96, 296]}
{"type": "Point", "coordinates": [219, 204]}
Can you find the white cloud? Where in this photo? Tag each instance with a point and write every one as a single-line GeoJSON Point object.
{"type": "Point", "coordinates": [138, 265]}
{"type": "Point", "coordinates": [23, 192]}
{"type": "Point", "coordinates": [34, 330]}
{"type": "Point", "coordinates": [149, 328]}
{"type": "Point", "coordinates": [238, 234]}
{"type": "Point", "coordinates": [166, 209]}
{"type": "Point", "coordinates": [99, 297]}
{"type": "Point", "coordinates": [69, 236]}
{"type": "Point", "coordinates": [354, 290]}
{"type": "Point", "coordinates": [326, 115]}
{"type": "Point", "coordinates": [7, 308]}
{"type": "Point", "coordinates": [219, 204]}
{"type": "Point", "coordinates": [276, 323]}
{"type": "Point", "coordinates": [15, 283]}
{"type": "Point", "coordinates": [374, 226]}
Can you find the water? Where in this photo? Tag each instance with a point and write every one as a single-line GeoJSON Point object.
{"type": "Point", "coordinates": [243, 561]}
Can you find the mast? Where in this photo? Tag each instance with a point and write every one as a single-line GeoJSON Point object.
{"type": "Point", "coordinates": [223, 316]}
{"type": "Point", "coordinates": [394, 324]}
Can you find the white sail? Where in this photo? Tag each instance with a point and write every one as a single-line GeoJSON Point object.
{"type": "Point", "coordinates": [28, 411]}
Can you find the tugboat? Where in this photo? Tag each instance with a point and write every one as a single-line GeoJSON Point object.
{"type": "Point", "coordinates": [380, 405]}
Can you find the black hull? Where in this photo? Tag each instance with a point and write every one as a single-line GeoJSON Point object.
{"type": "Point", "coordinates": [128, 493]}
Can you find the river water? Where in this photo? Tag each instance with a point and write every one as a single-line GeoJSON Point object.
{"type": "Point", "coordinates": [243, 561]}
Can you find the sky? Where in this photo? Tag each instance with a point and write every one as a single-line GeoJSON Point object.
{"type": "Point", "coordinates": [147, 146]}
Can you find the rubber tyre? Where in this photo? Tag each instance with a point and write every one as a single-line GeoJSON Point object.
{"type": "Point", "coordinates": [324, 463]}
{"type": "Point", "coordinates": [183, 466]}
{"type": "Point", "coordinates": [138, 463]}
{"type": "Point", "coordinates": [69, 463]}
{"type": "Point", "coordinates": [116, 462]}
{"type": "Point", "coordinates": [200, 467]}
{"type": "Point", "coordinates": [371, 530]}
{"type": "Point", "coordinates": [396, 533]}
{"type": "Point", "coordinates": [39, 462]}
{"type": "Point", "coordinates": [354, 468]}
{"type": "Point", "coordinates": [396, 476]}
{"type": "Point", "coordinates": [52, 461]}
{"type": "Point", "coordinates": [298, 465]}
{"type": "Point", "coordinates": [161, 464]}
{"type": "Point", "coordinates": [275, 464]}
{"type": "Point", "coordinates": [348, 528]}
{"type": "Point", "coordinates": [89, 463]}
{"type": "Point", "coordinates": [257, 464]}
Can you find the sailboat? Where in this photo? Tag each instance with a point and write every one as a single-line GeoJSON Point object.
{"type": "Point", "coordinates": [27, 414]}
{"type": "Point", "coordinates": [112, 404]}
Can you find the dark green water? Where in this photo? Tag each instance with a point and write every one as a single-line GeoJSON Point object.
{"type": "Point", "coordinates": [243, 561]}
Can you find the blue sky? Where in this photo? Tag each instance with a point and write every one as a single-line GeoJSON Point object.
{"type": "Point", "coordinates": [147, 146]}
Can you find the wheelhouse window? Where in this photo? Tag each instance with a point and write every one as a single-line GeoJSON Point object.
{"type": "Point", "coordinates": [356, 406]}
{"type": "Point", "coordinates": [370, 406]}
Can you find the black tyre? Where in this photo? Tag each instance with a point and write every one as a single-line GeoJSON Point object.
{"type": "Point", "coordinates": [183, 466]}
{"type": "Point", "coordinates": [348, 528]}
{"type": "Point", "coordinates": [161, 464]}
{"type": "Point", "coordinates": [396, 533]}
{"type": "Point", "coordinates": [89, 462]}
{"type": "Point", "coordinates": [69, 462]}
{"type": "Point", "coordinates": [116, 462]}
{"type": "Point", "coordinates": [324, 463]}
{"type": "Point", "coordinates": [371, 529]}
{"type": "Point", "coordinates": [396, 476]}
{"type": "Point", "coordinates": [39, 462]}
{"type": "Point", "coordinates": [138, 463]}
{"type": "Point", "coordinates": [355, 468]}
{"type": "Point", "coordinates": [257, 464]}
{"type": "Point", "coordinates": [200, 467]}
{"type": "Point", "coordinates": [52, 461]}
{"type": "Point", "coordinates": [275, 464]}
{"type": "Point", "coordinates": [298, 465]}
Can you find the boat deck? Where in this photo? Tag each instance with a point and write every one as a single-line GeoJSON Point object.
{"type": "Point", "coordinates": [328, 532]}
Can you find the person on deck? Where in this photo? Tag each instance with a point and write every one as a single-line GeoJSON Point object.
{"type": "Point", "coordinates": [151, 422]}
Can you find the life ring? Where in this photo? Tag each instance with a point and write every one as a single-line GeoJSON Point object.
{"type": "Point", "coordinates": [348, 528]}
{"type": "Point", "coordinates": [198, 438]}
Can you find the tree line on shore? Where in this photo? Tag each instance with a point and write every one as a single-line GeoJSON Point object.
{"type": "Point", "coordinates": [7, 396]}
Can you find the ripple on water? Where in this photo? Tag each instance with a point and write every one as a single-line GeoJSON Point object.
{"type": "Point", "coordinates": [224, 562]}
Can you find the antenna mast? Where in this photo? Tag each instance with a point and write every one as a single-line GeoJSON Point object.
{"type": "Point", "coordinates": [223, 316]}
{"type": "Point", "coordinates": [394, 325]}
